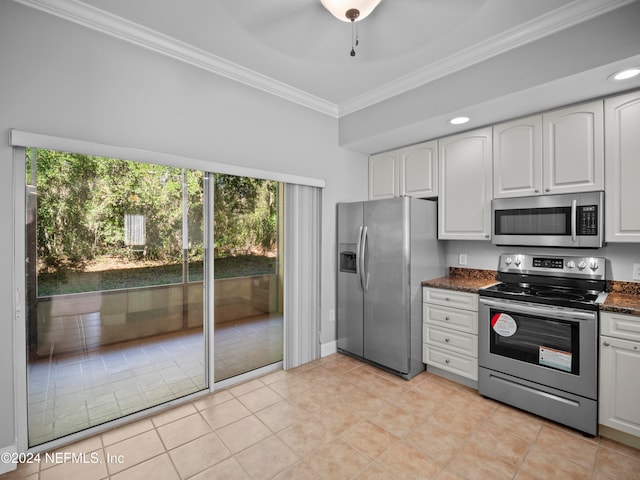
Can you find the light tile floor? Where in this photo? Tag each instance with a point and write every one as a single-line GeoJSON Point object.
{"type": "Point", "coordinates": [73, 392]}
{"type": "Point", "coordinates": [244, 345]}
{"type": "Point", "coordinates": [337, 418]}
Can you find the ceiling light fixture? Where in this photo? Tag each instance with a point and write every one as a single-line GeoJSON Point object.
{"type": "Point", "coordinates": [351, 11]}
{"type": "Point", "coordinates": [625, 74]}
{"type": "Point", "coordinates": [459, 120]}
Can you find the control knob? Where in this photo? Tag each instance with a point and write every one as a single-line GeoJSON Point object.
{"type": "Point", "coordinates": [571, 264]}
{"type": "Point", "coordinates": [594, 265]}
{"type": "Point", "coordinates": [508, 260]}
{"type": "Point", "coordinates": [582, 265]}
{"type": "Point", "coordinates": [517, 262]}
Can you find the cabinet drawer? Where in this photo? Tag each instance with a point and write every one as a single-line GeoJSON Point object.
{"type": "Point", "coordinates": [620, 326]}
{"type": "Point", "coordinates": [450, 298]}
{"type": "Point", "coordinates": [460, 342]}
{"type": "Point", "coordinates": [461, 320]}
{"type": "Point", "coordinates": [452, 362]}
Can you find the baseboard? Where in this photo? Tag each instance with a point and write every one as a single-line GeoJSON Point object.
{"type": "Point", "coordinates": [9, 451]}
{"type": "Point", "coordinates": [618, 436]}
{"type": "Point", "coordinates": [328, 348]}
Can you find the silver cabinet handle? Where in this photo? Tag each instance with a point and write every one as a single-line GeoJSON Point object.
{"type": "Point", "coordinates": [447, 299]}
{"type": "Point", "coordinates": [547, 189]}
{"type": "Point", "coordinates": [606, 344]}
{"type": "Point", "coordinates": [446, 340]}
{"type": "Point", "coordinates": [446, 318]}
{"type": "Point", "coordinates": [447, 361]}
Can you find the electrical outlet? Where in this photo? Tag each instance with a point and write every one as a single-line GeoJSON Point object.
{"type": "Point", "coordinates": [636, 271]}
{"type": "Point", "coordinates": [462, 259]}
{"type": "Point", "coordinates": [332, 315]}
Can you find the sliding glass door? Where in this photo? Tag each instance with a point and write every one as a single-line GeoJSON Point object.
{"type": "Point", "coordinates": [248, 323]}
{"type": "Point", "coordinates": [131, 268]}
{"type": "Point", "coordinates": [115, 289]}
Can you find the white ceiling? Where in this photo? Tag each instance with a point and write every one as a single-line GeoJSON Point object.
{"type": "Point", "coordinates": [299, 51]}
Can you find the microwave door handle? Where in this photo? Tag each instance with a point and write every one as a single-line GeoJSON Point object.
{"type": "Point", "coordinates": [574, 219]}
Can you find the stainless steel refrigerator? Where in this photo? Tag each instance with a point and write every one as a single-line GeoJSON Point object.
{"type": "Point", "coordinates": [386, 248]}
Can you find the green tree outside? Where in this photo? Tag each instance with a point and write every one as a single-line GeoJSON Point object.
{"type": "Point", "coordinates": [82, 201]}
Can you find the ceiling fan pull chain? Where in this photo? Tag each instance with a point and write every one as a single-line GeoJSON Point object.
{"type": "Point", "coordinates": [353, 44]}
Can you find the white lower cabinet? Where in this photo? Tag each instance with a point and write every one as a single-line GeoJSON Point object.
{"type": "Point", "coordinates": [619, 368]}
{"type": "Point", "coordinates": [450, 331]}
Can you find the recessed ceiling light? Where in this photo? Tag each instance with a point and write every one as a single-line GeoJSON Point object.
{"type": "Point", "coordinates": [459, 120]}
{"type": "Point", "coordinates": [625, 74]}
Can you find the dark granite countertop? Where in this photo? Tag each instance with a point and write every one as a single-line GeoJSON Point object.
{"type": "Point", "coordinates": [624, 297]}
{"type": "Point", "coordinates": [463, 280]}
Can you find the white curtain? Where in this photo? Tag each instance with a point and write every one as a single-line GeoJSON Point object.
{"type": "Point", "coordinates": [302, 220]}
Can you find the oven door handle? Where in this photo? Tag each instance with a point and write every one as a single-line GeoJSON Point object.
{"type": "Point", "coordinates": [538, 310]}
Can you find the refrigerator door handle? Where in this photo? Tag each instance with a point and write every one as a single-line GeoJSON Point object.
{"type": "Point", "coordinates": [358, 266]}
{"type": "Point", "coordinates": [363, 274]}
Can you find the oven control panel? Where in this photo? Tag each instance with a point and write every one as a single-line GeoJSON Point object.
{"type": "Point", "coordinates": [584, 267]}
{"type": "Point", "coordinates": [543, 262]}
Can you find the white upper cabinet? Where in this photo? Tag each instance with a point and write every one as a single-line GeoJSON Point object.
{"type": "Point", "coordinates": [573, 155]}
{"type": "Point", "coordinates": [517, 157]}
{"type": "Point", "coordinates": [465, 185]}
{"type": "Point", "coordinates": [408, 171]}
{"type": "Point", "coordinates": [622, 189]}
{"type": "Point", "coordinates": [419, 170]}
{"type": "Point", "coordinates": [561, 151]}
{"type": "Point", "coordinates": [383, 175]}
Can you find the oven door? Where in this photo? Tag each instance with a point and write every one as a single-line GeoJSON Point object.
{"type": "Point", "coordinates": [552, 346]}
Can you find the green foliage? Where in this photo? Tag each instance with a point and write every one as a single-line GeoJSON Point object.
{"type": "Point", "coordinates": [245, 212]}
{"type": "Point", "coordinates": [82, 201]}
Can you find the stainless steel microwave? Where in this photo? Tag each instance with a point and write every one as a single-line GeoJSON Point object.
{"type": "Point", "coordinates": [564, 220]}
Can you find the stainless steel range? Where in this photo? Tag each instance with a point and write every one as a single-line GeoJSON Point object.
{"type": "Point", "coordinates": [538, 334]}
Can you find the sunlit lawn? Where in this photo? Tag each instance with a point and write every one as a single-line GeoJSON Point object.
{"type": "Point", "coordinates": [66, 281]}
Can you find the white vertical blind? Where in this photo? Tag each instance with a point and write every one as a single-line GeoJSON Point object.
{"type": "Point", "coordinates": [302, 220]}
{"type": "Point", "coordinates": [135, 230]}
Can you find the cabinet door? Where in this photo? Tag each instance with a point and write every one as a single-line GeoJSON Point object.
{"type": "Point", "coordinates": [622, 121]}
{"type": "Point", "coordinates": [573, 155]}
{"type": "Point", "coordinates": [465, 178]}
{"type": "Point", "coordinates": [383, 175]}
{"type": "Point", "coordinates": [517, 158]}
{"type": "Point", "coordinates": [619, 386]}
{"type": "Point", "coordinates": [419, 170]}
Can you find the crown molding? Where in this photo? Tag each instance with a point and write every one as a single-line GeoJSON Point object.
{"type": "Point", "coordinates": [118, 27]}
{"type": "Point", "coordinates": [573, 13]}
{"type": "Point", "coordinates": [567, 16]}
